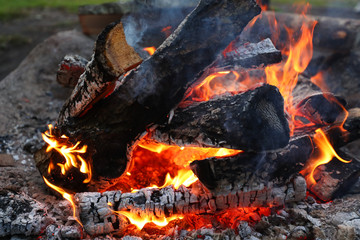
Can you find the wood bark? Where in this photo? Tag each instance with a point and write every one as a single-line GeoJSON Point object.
{"type": "Point", "coordinates": [334, 34]}
{"type": "Point", "coordinates": [223, 175]}
{"type": "Point", "coordinates": [315, 106]}
{"type": "Point", "coordinates": [148, 93]}
{"type": "Point", "coordinates": [250, 121]}
{"type": "Point", "coordinates": [249, 55]}
{"type": "Point", "coordinates": [97, 209]}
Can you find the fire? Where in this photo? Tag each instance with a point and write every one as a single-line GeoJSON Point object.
{"type": "Point", "coordinates": [167, 31]}
{"type": "Point", "coordinates": [324, 155]}
{"type": "Point", "coordinates": [150, 50]}
{"type": "Point", "coordinates": [69, 152]}
{"type": "Point", "coordinates": [66, 196]}
{"type": "Point", "coordinates": [140, 222]}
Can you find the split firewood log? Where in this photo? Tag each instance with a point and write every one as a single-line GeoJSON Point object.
{"type": "Point", "coordinates": [97, 214]}
{"type": "Point", "coordinates": [223, 175]}
{"type": "Point", "coordinates": [148, 93]}
{"type": "Point", "coordinates": [250, 121]}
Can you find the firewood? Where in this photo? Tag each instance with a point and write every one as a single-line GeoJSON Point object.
{"type": "Point", "coordinates": [112, 57]}
{"type": "Point", "coordinates": [319, 108]}
{"type": "Point", "coordinates": [223, 175]}
{"type": "Point", "coordinates": [334, 34]}
{"type": "Point", "coordinates": [148, 93]}
{"type": "Point", "coordinates": [251, 121]}
{"type": "Point", "coordinates": [70, 69]}
{"type": "Point", "coordinates": [336, 178]}
{"type": "Point", "coordinates": [249, 55]}
{"type": "Point", "coordinates": [96, 210]}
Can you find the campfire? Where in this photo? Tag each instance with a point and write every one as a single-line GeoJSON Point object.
{"type": "Point", "coordinates": [215, 128]}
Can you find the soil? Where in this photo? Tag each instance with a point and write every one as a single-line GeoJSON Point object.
{"type": "Point", "coordinates": [19, 36]}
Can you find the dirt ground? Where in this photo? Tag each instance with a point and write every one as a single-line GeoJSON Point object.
{"type": "Point", "coordinates": [19, 36]}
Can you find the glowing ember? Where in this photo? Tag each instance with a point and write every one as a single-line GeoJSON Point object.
{"type": "Point", "coordinates": [167, 31]}
{"type": "Point", "coordinates": [324, 155]}
{"type": "Point", "coordinates": [140, 222]}
{"type": "Point", "coordinates": [150, 50]}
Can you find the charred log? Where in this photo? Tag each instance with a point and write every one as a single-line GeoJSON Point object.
{"type": "Point", "coordinates": [334, 34]}
{"type": "Point", "coordinates": [98, 216]}
{"type": "Point", "coordinates": [223, 175]}
{"type": "Point", "coordinates": [147, 94]}
{"type": "Point", "coordinates": [70, 70]}
{"type": "Point", "coordinates": [249, 55]}
{"type": "Point", "coordinates": [251, 121]}
{"type": "Point", "coordinates": [314, 106]}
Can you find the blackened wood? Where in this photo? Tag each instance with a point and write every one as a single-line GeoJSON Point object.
{"type": "Point", "coordinates": [147, 94]}
{"type": "Point", "coordinates": [334, 34]}
{"type": "Point", "coordinates": [316, 107]}
{"type": "Point", "coordinates": [97, 209]}
{"type": "Point", "coordinates": [249, 55]}
{"type": "Point", "coordinates": [112, 57]}
{"type": "Point", "coordinates": [70, 69]}
{"type": "Point", "coordinates": [221, 175]}
{"type": "Point", "coordinates": [251, 121]}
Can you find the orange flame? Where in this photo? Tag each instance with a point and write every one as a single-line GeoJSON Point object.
{"type": "Point", "coordinates": [140, 222]}
{"type": "Point", "coordinates": [150, 50]}
{"type": "Point", "coordinates": [167, 31]}
{"type": "Point", "coordinates": [70, 154]}
{"type": "Point", "coordinates": [66, 196]}
{"type": "Point", "coordinates": [325, 154]}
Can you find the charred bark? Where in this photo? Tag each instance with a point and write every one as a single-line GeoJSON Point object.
{"type": "Point", "coordinates": [70, 70]}
{"type": "Point", "coordinates": [97, 210]}
{"type": "Point", "coordinates": [223, 175]}
{"type": "Point", "coordinates": [147, 94]}
{"type": "Point", "coordinates": [251, 121]}
{"type": "Point", "coordinates": [314, 106]}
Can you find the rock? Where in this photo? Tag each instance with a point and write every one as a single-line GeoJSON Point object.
{"type": "Point", "coordinates": [345, 233]}
{"type": "Point", "coordinates": [6, 160]}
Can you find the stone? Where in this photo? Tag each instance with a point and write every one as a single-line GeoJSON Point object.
{"type": "Point", "coordinates": [6, 160]}
{"type": "Point", "coordinates": [345, 233]}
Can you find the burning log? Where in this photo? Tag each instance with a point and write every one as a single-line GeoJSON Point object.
{"type": "Point", "coordinates": [335, 34]}
{"type": "Point", "coordinates": [147, 94]}
{"type": "Point", "coordinates": [70, 70]}
{"type": "Point", "coordinates": [249, 55]}
{"type": "Point", "coordinates": [316, 106]}
{"type": "Point", "coordinates": [253, 120]}
{"type": "Point", "coordinates": [335, 179]}
{"type": "Point", "coordinates": [97, 211]}
{"type": "Point", "coordinates": [224, 175]}
{"type": "Point", "coordinates": [109, 61]}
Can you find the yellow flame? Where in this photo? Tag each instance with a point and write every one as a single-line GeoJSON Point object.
{"type": "Point", "coordinates": [150, 50]}
{"type": "Point", "coordinates": [65, 195]}
{"type": "Point", "coordinates": [70, 154]}
{"type": "Point", "coordinates": [140, 222]}
{"type": "Point", "coordinates": [326, 154]}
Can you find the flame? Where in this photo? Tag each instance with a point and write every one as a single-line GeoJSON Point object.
{"type": "Point", "coordinates": [66, 196]}
{"type": "Point", "coordinates": [140, 222]}
{"type": "Point", "coordinates": [69, 152]}
{"type": "Point", "coordinates": [150, 50]}
{"type": "Point", "coordinates": [319, 80]}
{"type": "Point", "coordinates": [324, 155]}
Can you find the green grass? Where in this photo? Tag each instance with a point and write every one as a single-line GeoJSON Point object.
{"type": "Point", "coordinates": [16, 8]}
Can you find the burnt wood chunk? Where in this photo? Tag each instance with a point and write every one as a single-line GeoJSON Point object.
{"type": "Point", "coordinates": [251, 121]}
{"type": "Point", "coordinates": [315, 106]}
{"type": "Point", "coordinates": [250, 55]}
{"type": "Point", "coordinates": [97, 209]}
{"type": "Point", "coordinates": [223, 175]}
{"type": "Point", "coordinates": [147, 94]}
{"type": "Point", "coordinates": [70, 69]}
{"type": "Point", "coordinates": [112, 57]}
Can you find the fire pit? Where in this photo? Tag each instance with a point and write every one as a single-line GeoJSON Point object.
{"type": "Point", "coordinates": [225, 130]}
